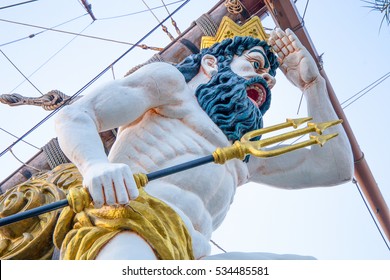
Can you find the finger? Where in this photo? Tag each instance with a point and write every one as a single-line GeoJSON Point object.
{"type": "Point", "coordinates": [275, 47]}
{"type": "Point", "coordinates": [285, 51]}
{"type": "Point", "coordinates": [280, 33]}
{"type": "Point", "coordinates": [280, 54]}
{"type": "Point", "coordinates": [273, 35]}
{"type": "Point", "coordinates": [271, 41]}
{"type": "Point", "coordinates": [279, 43]}
{"type": "Point", "coordinates": [109, 191]}
{"type": "Point", "coordinates": [96, 191]}
{"type": "Point", "coordinates": [286, 41]}
{"type": "Point", "coordinates": [294, 39]}
{"type": "Point", "coordinates": [290, 48]}
{"type": "Point", "coordinates": [120, 189]}
{"type": "Point", "coordinates": [131, 186]}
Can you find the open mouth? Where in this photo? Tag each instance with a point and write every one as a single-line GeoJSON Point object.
{"type": "Point", "coordinates": [257, 94]}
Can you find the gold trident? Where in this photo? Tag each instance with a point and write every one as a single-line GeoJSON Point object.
{"type": "Point", "coordinates": [247, 146]}
{"type": "Point", "coordinates": [79, 198]}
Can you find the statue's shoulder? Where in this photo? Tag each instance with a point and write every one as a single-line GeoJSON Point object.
{"type": "Point", "coordinates": [162, 73]}
{"type": "Point", "coordinates": [165, 76]}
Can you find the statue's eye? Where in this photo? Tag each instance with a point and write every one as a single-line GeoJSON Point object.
{"type": "Point", "coordinates": [256, 65]}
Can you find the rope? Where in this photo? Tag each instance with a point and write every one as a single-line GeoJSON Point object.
{"type": "Point", "coordinates": [216, 245]}
{"type": "Point", "coordinates": [354, 181]}
{"type": "Point", "coordinates": [163, 27]}
{"type": "Point", "coordinates": [77, 34]}
{"type": "Point", "coordinates": [49, 101]}
{"type": "Point", "coordinates": [207, 25]}
{"type": "Point", "coordinates": [139, 12]}
{"type": "Point", "coordinates": [17, 4]}
{"type": "Point", "coordinates": [13, 135]}
{"type": "Point", "coordinates": [52, 56]}
{"type": "Point", "coordinates": [155, 58]}
{"type": "Point", "coordinates": [233, 6]}
{"type": "Point", "coordinates": [372, 85]}
{"type": "Point", "coordinates": [24, 164]}
{"type": "Point", "coordinates": [172, 20]}
{"type": "Point", "coordinates": [35, 34]}
{"type": "Point", "coordinates": [16, 67]}
{"type": "Point", "coordinates": [55, 156]}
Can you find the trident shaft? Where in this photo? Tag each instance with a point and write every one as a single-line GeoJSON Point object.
{"type": "Point", "coordinates": [239, 150]}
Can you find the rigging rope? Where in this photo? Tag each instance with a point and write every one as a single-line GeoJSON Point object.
{"type": "Point", "coordinates": [91, 81]}
{"type": "Point", "coordinates": [13, 135]}
{"type": "Point", "coordinates": [16, 67]}
{"type": "Point", "coordinates": [373, 84]}
{"type": "Point", "coordinates": [354, 181]}
{"type": "Point", "coordinates": [140, 12]}
{"type": "Point", "coordinates": [172, 20]}
{"type": "Point", "coordinates": [35, 34]}
{"type": "Point", "coordinates": [81, 35]}
{"type": "Point", "coordinates": [216, 245]}
{"type": "Point", "coordinates": [51, 57]}
{"type": "Point", "coordinates": [25, 164]}
{"type": "Point", "coordinates": [17, 4]}
{"type": "Point", "coordinates": [163, 27]}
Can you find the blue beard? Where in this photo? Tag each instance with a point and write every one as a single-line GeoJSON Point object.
{"type": "Point", "coordinates": [224, 99]}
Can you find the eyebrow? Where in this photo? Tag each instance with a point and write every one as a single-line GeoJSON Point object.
{"type": "Point", "coordinates": [266, 64]}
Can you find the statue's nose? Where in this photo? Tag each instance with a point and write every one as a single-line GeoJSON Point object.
{"type": "Point", "coordinates": [269, 79]}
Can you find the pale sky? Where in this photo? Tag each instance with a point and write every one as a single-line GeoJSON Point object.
{"type": "Point", "coordinates": [327, 223]}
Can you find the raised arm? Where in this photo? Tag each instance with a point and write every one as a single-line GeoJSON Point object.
{"type": "Point", "coordinates": [318, 166]}
{"type": "Point", "coordinates": [113, 105]}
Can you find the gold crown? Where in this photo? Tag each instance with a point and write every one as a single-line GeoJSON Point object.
{"type": "Point", "coordinates": [229, 29]}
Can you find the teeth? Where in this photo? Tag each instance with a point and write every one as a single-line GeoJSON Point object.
{"type": "Point", "coordinates": [260, 98]}
{"type": "Point", "coordinates": [260, 93]}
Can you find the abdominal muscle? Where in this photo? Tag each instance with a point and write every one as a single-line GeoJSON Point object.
{"type": "Point", "coordinates": [202, 195]}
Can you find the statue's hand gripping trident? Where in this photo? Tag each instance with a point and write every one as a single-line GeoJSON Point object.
{"type": "Point", "coordinates": [79, 198]}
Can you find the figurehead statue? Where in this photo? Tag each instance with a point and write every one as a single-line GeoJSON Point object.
{"type": "Point", "coordinates": [169, 114]}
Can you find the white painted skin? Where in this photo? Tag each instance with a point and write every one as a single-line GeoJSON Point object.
{"type": "Point", "coordinates": [161, 124]}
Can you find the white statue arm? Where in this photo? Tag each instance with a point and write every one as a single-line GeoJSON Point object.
{"type": "Point", "coordinates": [316, 166]}
{"type": "Point", "coordinates": [116, 104]}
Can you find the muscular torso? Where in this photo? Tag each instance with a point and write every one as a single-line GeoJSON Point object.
{"type": "Point", "coordinates": [161, 138]}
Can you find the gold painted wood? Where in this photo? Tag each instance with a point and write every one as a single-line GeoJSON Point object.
{"type": "Point", "coordinates": [229, 29]}
{"type": "Point", "coordinates": [30, 238]}
{"type": "Point", "coordinates": [248, 146]}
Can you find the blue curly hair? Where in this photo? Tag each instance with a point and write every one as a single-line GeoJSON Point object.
{"type": "Point", "coordinates": [224, 52]}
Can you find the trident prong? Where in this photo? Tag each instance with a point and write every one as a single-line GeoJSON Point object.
{"type": "Point", "coordinates": [322, 139]}
{"type": "Point", "coordinates": [321, 127]}
{"type": "Point", "coordinates": [289, 122]}
{"type": "Point", "coordinates": [255, 147]}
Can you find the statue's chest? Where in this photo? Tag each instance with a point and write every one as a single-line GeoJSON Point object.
{"type": "Point", "coordinates": [156, 141]}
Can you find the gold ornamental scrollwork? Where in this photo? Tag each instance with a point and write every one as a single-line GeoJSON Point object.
{"type": "Point", "coordinates": [33, 238]}
{"type": "Point", "coordinates": [30, 238]}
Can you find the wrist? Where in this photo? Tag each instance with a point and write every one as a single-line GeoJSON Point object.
{"type": "Point", "coordinates": [88, 165]}
{"type": "Point", "coordinates": [318, 81]}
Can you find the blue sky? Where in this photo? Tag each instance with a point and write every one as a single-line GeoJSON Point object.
{"type": "Point", "coordinates": [328, 223]}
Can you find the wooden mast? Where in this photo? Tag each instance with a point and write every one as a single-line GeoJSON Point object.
{"type": "Point", "coordinates": [285, 16]}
